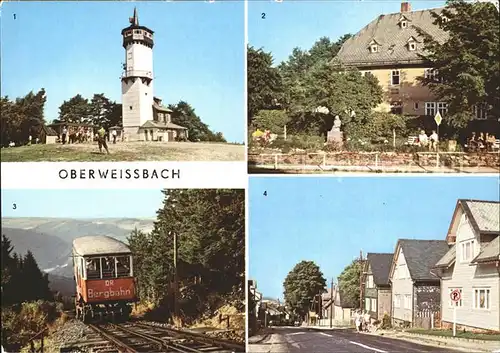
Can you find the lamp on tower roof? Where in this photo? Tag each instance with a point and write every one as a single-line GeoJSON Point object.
{"type": "Point", "coordinates": [134, 20]}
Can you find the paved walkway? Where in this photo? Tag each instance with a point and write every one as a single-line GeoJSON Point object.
{"type": "Point", "coordinates": [466, 345]}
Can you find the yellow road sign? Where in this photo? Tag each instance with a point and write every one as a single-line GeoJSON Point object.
{"type": "Point", "coordinates": [438, 118]}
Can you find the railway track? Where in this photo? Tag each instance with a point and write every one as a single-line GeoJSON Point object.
{"type": "Point", "coordinates": [139, 337]}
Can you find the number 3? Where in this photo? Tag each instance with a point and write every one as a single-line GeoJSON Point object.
{"type": "Point", "coordinates": [14, 206]}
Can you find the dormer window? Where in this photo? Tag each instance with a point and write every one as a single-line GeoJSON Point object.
{"type": "Point", "coordinates": [403, 22]}
{"type": "Point", "coordinates": [412, 44]}
{"type": "Point", "coordinates": [374, 46]}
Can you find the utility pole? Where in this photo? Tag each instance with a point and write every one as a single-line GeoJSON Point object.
{"type": "Point", "coordinates": [331, 305]}
{"type": "Point", "coordinates": [361, 279]}
{"type": "Point", "coordinates": [176, 279]}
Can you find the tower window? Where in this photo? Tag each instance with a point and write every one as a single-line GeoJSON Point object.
{"type": "Point", "coordinates": [412, 46]}
{"type": "Point", "coordinates": [404, 24]}
{"type": "Point", "coordinates": [374, 48]}
{"type": "Point", "coordinates": [130, 107]}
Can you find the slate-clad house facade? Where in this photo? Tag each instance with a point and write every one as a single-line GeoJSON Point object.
{"type": "Point", "coordinates": [389, 48]}
{"type": "Point", "coordinates": [377, 288]}
{"type": "Point", "coordinates": [472, 265]}
{"type": "Point", "coordinates": [415, 291]}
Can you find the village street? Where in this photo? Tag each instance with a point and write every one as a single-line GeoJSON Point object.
{"type": "Point", "coordinates": [288, 339]}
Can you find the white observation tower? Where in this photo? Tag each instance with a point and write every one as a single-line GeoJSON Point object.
{"type": "Point", "coordinates": [137, 78]}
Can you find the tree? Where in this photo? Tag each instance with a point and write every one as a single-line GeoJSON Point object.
{"type": "Point", "coordinates": [22, 117]}
{"type": "Point", "coordinates": [184, 114]}
{"type": "Point", "coordinates": [264, 82]}
{"type": "Point", "coordinates": [349, 284]}
{"type": "Point", "coordinates": [35, 284]}
{"type": "Point", "coordinates": [348, 94]}
{"type": "Point", "coordinates": [75, 110]}
{"type": "Point", "coordinates": [209, 225]}
{"type": "Point", "coordinates": [467, 61]}
{"type": "Point", "coordinates": [272, 120]}
{"type": "Point", "coordinates": [301, 284]}
{"type": "Point", "coordinates": [299, 64]}
{"type": "Point", "coordinates": [140, 245]}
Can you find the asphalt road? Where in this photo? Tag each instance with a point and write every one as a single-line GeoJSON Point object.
{"type": "Point", "coordinates": [349, 341]}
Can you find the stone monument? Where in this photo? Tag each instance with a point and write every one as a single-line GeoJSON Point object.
{"type": "Point", "coordinates": [335, 135]}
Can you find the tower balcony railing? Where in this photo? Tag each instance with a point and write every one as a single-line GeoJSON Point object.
{"type": "Point", "coordinates": [137, 73]}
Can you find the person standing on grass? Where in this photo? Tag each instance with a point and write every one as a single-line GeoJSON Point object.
{"type": "Point", "coordinates": [64, 134]}
{"type": "Point", "coordinates": [101, 140]}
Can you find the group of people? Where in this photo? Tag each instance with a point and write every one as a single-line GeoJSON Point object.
{"type": "Point", "coordinates": [362, 321]}
{"type": "Point", "coordinates": [77, 135]}
{"type": "Point", "coordinates": [428, 141]}
{"type": "Point", "coordinates": [85, 135]}
{"type": "Point", "coordinates": [481, 142]}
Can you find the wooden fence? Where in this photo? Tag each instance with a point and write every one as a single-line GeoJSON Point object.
{"type": "Point", "coordinates": [427, 319]}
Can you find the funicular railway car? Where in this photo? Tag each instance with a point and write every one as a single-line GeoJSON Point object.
{"type": "Point", "coordinates": [103, 271]}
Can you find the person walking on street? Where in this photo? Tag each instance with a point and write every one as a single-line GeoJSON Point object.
{"type": "Point", "coordinates": [101, 140]}
{"type": "Point", "coordinates": [113, 133]}
{"type": "Point", "coordinates": [357, 321]}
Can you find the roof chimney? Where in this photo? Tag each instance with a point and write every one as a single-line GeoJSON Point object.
{"type": "Point", "coordinates": [405, 6]}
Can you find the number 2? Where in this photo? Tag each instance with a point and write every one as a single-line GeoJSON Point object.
{"type": "Point", "coordinates": [263, 15]}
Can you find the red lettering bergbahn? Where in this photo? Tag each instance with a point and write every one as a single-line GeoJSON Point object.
{"type": "Point", "coordinates": [103, 271]}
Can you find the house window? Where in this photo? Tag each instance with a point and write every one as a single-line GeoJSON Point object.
{"type": "Point", "coordinates": [367, 304]}
{"type": "Point", "coordinates": [481, 298]}
{"type": "Point", "coordinates": [374, 48]}
{"type": "Point", "coordinates": [415, 105]}
{"type": "Point", "coordinates": [432, 74]}
{"type": "Point", "coordinates": [430, 108]}
{"type": "Point", "coordinates": [480, 112]}
{"type": "Point", "coordinates": [395, 77]}
{"type": "Point", "coordinates": [374, 304]}
{"type": "Point", "coordinates": [407, 301]}
{"type": "Point", "coordinates": [467, 250]}
{"type": "Point", "coordinates": [369, 281]}
{"type": "Point", "coordinates": [396, 108]}
{"type": "Point", "coordinates": [130, 107]}
{"type": "Point", "coordinates": [404, 24]}
{"type": "Point", "coordinates": [412, 46]}
{"type": "Point", "coordinates": [397, 301]}
{"type": "Point", "coordinates": [452, 303]}
{"type": "Point", "coordinates": [442, 108]}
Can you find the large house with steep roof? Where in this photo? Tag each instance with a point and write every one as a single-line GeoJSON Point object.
{"type": "Point", "coordinates": [416, 297]}
{"type": "Point", "coordinates": [472, 266]}
{"type": "Point", "coordinates": [389, 48]}
{"type": "Point", "coordinates": [377, 288]}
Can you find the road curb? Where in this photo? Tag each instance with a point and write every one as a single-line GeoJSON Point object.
{"type": "Point", "coordinates": [430, 342]}
{"type": "Point", "coordinates": [264, 337]}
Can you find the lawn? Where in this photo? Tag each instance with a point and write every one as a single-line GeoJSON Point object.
{"type": "Point", "coordinates": [460, 334]}
{"type": "Point", "coordinates": [126, 151]}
